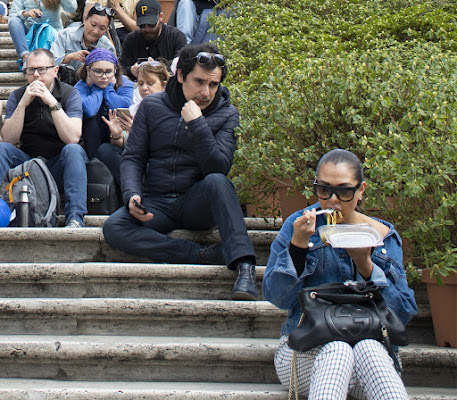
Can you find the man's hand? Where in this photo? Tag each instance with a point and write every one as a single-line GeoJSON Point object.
{"type": "Point", "coordinates": [137, 212]}
{"type": "Point", "coordinates": [28, 96]}
{"type": "Point", "coordinates": [39, 89]}
{"type": "Point", "coordinates": [33, 13]}
{"type": "Point", "coordinates": [191, 111]}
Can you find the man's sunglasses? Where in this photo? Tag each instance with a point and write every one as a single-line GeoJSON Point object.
{"type": "Point", "coordinates": [100, 8]}
{"type": "Point", "coordinates": [324, 192]}
{"type": "Point", "coordinates": [204, 58]}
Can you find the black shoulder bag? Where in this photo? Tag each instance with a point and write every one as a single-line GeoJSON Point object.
{"type": "Point", "coordinates": [348, 312]}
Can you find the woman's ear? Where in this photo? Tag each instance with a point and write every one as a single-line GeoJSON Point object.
{"type": "Point", "coordinates": [361, 190]}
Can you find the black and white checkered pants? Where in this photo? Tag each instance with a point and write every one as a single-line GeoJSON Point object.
{"type": "Point", "coordinates": [335, 370]}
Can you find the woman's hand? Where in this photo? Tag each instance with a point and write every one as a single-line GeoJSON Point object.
{"type": "Point", "coordinates": [362, 260]}
{"type": "Point", "coordinates": [304, 228]}
{"type": "Point", "coordinates": [115, 127]}
{"type": "Point", "coordinates": [33, 13]}
{"type": "Point", "coordinates": [113, 80]}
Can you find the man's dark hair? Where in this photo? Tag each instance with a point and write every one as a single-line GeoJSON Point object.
{"type": "Point", "coordinates": [188, 59]}
{"type": "Point", "coordinates": [46, 52]}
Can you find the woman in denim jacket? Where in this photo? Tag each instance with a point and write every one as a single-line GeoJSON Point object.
{"type": "Point", "coordinates": [299, 259]}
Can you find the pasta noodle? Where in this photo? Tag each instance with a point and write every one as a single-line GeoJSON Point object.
{"type": "Point", "coordinates": [331, 218]}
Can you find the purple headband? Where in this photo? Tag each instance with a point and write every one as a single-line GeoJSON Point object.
{"type": "Point", "coordinates": [100, 55]}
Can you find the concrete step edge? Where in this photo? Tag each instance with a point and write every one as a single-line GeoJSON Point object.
{"type": "Point", "coordinates": [102, 271]}
{"type": "Point", "coordinates": [95, 234]}
{"type": "Point", "coordinates": [182, 348]}
{"type": "Point", "coordinates": [22, 389]}
{"type": "Point", "coordinates": [116, 308]}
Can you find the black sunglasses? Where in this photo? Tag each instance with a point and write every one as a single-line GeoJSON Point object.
{"type": "Point", "coordinates": [343, 193]}
{"type": "Point", "coordinates": [100, 8]}
{"type": "Point", "coordinates": [204, 58]}
{"type": "Point", "coordinates": [143, 26]}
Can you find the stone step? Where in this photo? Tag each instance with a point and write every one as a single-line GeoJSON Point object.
{"type": "Point", "coordinates": [24, 389]}
{"type": "Point", "coordinates": [190, 359]}
{"type": "Point", "coordinates": [27, 245]}
{"type": "Point", "coordinates": [146, 317]}
{"type": "Point", "coordinates": [9, 66]}
{"type": "Point", "coordinates": [120, 280]}
{"type": "Point", "coordinates": [12, 78]}
{"type": "Point", "coordinates": [4, 27]}
{"type": "Point", "coordinates": [6, 42]}
{"type": "Point", "coordinates": [5, 91]}
{"type": "Point", "coordinates": [132, 286]}
{"type": "Point", "coordinates": [8, 54]}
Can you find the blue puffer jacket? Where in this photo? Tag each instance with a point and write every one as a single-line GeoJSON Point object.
{"type": "Point", "coordinates": [173, 154]}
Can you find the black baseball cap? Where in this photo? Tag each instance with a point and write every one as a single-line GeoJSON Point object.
{"type": "Point", "coordinates": [147, 12]}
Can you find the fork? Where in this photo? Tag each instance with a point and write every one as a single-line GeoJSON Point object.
{"type": "Point", "coordinates": [326, 211]}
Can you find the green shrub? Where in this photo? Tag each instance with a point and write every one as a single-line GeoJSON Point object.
{"type": "Point", "coordinates": [374, 77]}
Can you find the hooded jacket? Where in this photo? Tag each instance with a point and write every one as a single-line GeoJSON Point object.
{"type": "Point", "coordinates": [171, 154]}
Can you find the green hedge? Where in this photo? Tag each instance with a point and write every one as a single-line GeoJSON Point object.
{"type": "Point", "coordinates": [374, 77]}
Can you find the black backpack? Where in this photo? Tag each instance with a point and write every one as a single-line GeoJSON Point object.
{"type": "Point", "coordinates": [102, 198]}
{"type": "Point", "coordinates": [44, 200]}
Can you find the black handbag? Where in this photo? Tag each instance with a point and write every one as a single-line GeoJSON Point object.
{"type": "Point", "coordinates": [348, 312]}
{"type": "Point", "coordinates": [102, 198]}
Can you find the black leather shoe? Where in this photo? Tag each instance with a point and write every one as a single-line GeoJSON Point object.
{"type": "Point", "coordinates": [245, 285]}
{"type": "Point", "coordinates": [211, 255]}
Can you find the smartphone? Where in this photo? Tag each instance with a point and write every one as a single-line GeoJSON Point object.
{"type": "Point", "coordinates": [140, 60]}
{"type": "Point", "coordinates": [125, 111]}
{"type": "Point", "coordinates": [140, 206]}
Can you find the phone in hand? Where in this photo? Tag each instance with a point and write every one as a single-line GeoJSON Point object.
{"type": "Point", "coordinates": [123, 111]}
{"type": "Point", "coordinates": [140, 206]}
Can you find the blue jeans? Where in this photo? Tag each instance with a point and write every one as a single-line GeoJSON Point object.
{"type": "Point", "coordinates": [18, 31]}
{"type": "Point", "coordinates": [68, 169]}
{"type": "Point", "coordinates": [210, 202]}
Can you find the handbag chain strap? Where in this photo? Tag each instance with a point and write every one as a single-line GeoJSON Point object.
{"type": "Point", "coordinates": [293, 385]}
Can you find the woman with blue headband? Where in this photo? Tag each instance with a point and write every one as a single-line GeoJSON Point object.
{"type": "Point", "coordinates": [102, 88]}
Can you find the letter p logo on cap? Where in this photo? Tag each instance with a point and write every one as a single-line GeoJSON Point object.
{"type": "Point", "coordinates": [144, 9]}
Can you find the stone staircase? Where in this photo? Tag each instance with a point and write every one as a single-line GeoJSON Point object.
{"type": "Point", "coordinates": [80, 320]}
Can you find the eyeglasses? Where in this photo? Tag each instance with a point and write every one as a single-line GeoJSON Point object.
{"type": "Point", "coordinates": [204, 58]}
{"type": "Point", "coordinates": [324, 192]}
{"type": "Point", "coordinates": [41, 70]}
{"type": "Point", "coordinates": [99, 72]}
{"type": "Point", "coordinates": [100, 8]}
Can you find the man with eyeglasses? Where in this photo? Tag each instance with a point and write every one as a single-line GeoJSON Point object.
{"type": "Point", "coordinates": [45, 118]}
{"type": "Point", "coordinates": [174, 173]}
{"type": "Point", "coordinates": [74, 43]}
{"type": "Point", "coordinates": [154, 38]}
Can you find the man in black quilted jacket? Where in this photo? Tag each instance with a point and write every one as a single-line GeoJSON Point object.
{"type": "Point", "coordinates": [174, 173]}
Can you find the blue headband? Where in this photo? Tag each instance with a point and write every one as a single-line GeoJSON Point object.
{"type": "Point", "coordinates": [100, 55]}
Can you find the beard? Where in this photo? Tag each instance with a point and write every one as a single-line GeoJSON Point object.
{"type": "Point", "coordinates": [152, 34]}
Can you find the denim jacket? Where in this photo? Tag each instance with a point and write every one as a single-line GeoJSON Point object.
{"type": "Point", "coordinates": [325, 264]}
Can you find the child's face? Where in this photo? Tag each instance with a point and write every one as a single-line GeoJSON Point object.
{"type": "Point", "coordinates": [148, 84]}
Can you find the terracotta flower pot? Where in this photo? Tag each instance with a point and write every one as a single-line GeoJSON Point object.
{"type": "Point", "coordinates": [443, 305]}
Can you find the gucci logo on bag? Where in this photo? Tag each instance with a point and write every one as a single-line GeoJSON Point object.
{"type": "Point", "coordinates": [348, 319]}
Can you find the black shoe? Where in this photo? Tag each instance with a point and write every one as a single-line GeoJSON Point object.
{"type": "Point", "coordinates": [245, 285]}
{"type": "Point", "coordinates": [211, 255]}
